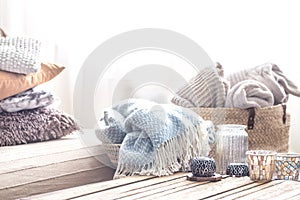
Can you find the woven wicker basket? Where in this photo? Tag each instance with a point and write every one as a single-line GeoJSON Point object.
{"type": "Point", "coordinates": [112, 151]}
{"type": "Point", "coordinates": [267, 128]}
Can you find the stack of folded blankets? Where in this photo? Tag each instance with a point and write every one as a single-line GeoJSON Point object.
{"type": "Point", "coordinates": [261, 86]}
{"type": "Point", "coordinates": [27, 113]}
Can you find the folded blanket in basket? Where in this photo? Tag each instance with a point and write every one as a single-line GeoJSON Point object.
{"type": "Point", "coordinates": [249, 94]}
{"type": "Point", "coordinates": [270, 75]}
{"type": "Point", "coordinates": [206, 89]}
{"type": "Point", "coordinates": [159, 137]}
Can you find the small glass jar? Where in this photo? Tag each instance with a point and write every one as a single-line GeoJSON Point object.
{"type": "Point", "coordinates": [231, 146]}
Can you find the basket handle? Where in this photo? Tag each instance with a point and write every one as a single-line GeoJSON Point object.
{"type": "Point", "coordinates": [251, 116]}
{"type": "Point", "coordinates": [284, 113]}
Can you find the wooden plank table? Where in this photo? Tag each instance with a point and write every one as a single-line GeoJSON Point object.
{"type": "Point", "coordinates": [178, 187]}
{"type": "Point", "coordinates": [42, 167]}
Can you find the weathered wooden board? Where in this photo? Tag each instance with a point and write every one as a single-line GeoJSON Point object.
{"type": "Point", "coordinates": [66, 169]}
{"type": "Point", "coordinates": [43, 167]}
{"type": "Point", "coordinates": [177, 187]}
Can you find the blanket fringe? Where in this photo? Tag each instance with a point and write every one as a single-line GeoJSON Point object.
{"type": "Point", "coordinates": [174, 153]}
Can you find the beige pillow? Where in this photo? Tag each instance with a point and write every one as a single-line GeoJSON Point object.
{"type": "Point", "coordinates": [12, 83]}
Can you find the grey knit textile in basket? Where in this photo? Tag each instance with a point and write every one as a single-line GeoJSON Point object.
{"type": "Point", "coordinates": [207, 89]}
{"type": "Point", "coordinates": [20, 55]}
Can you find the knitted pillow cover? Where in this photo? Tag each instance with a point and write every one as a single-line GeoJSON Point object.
{"type": "Point", "coordinates": [20, 55]}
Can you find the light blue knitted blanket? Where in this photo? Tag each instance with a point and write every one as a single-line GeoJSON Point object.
{"type": "Point", "coordinates": [159, 138]}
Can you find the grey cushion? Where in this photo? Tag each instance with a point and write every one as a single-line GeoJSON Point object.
{"type": "Point", "coordinates": [35, 125]}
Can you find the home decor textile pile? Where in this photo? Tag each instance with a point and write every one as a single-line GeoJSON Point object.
{"type": "Point", "coordinates": [261, 86]}
{"type": "Point", "coordinates": [269, 75]}
{"type": "Point", "coordinates": [28, 110]}
{"type": "Point", "coordinates": [159, 138]}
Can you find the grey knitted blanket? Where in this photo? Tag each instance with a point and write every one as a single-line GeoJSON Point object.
{"type": "Point", "coordinates": [272, 77]}
{"type": "Point", "coordinates": [159, 139]}
{"type": "Point", "coordinates": [249, 94]}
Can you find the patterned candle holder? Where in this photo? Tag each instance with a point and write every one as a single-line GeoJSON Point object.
{"type": "Point", "coordinates": [237, 169]}
{"type": "Point", "coordinates": [261, 164]}
{"type": "Point", "coordinates": [287, 166]}
{"type": "Point", "coordinates": [203, 166]}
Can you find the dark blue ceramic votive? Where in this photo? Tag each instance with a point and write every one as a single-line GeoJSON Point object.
{"type": "Point", "coordinates": [203, 166]}
{"type": "Point", "coordinates": [237, 169]}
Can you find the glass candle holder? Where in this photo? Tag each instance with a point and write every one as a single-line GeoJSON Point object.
{"type": "Point", "coordinates": [287, 166]}
{"type": "Point", "coordinates": [231, 146]}
{"type": "Point", "coordinates": [261, 164]}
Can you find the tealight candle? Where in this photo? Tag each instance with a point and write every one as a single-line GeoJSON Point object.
{"type": "Point", "coordinates": [203, 166]}
{"type": "Point", "coordinates": [261, 164]}
{"type": "Point", "coordinates": [287, 166]}
{"type": "Point", "coordinates": [237, 169]}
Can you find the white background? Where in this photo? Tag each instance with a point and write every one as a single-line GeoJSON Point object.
{"type": "Point", "coordinates": [238, 34]}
